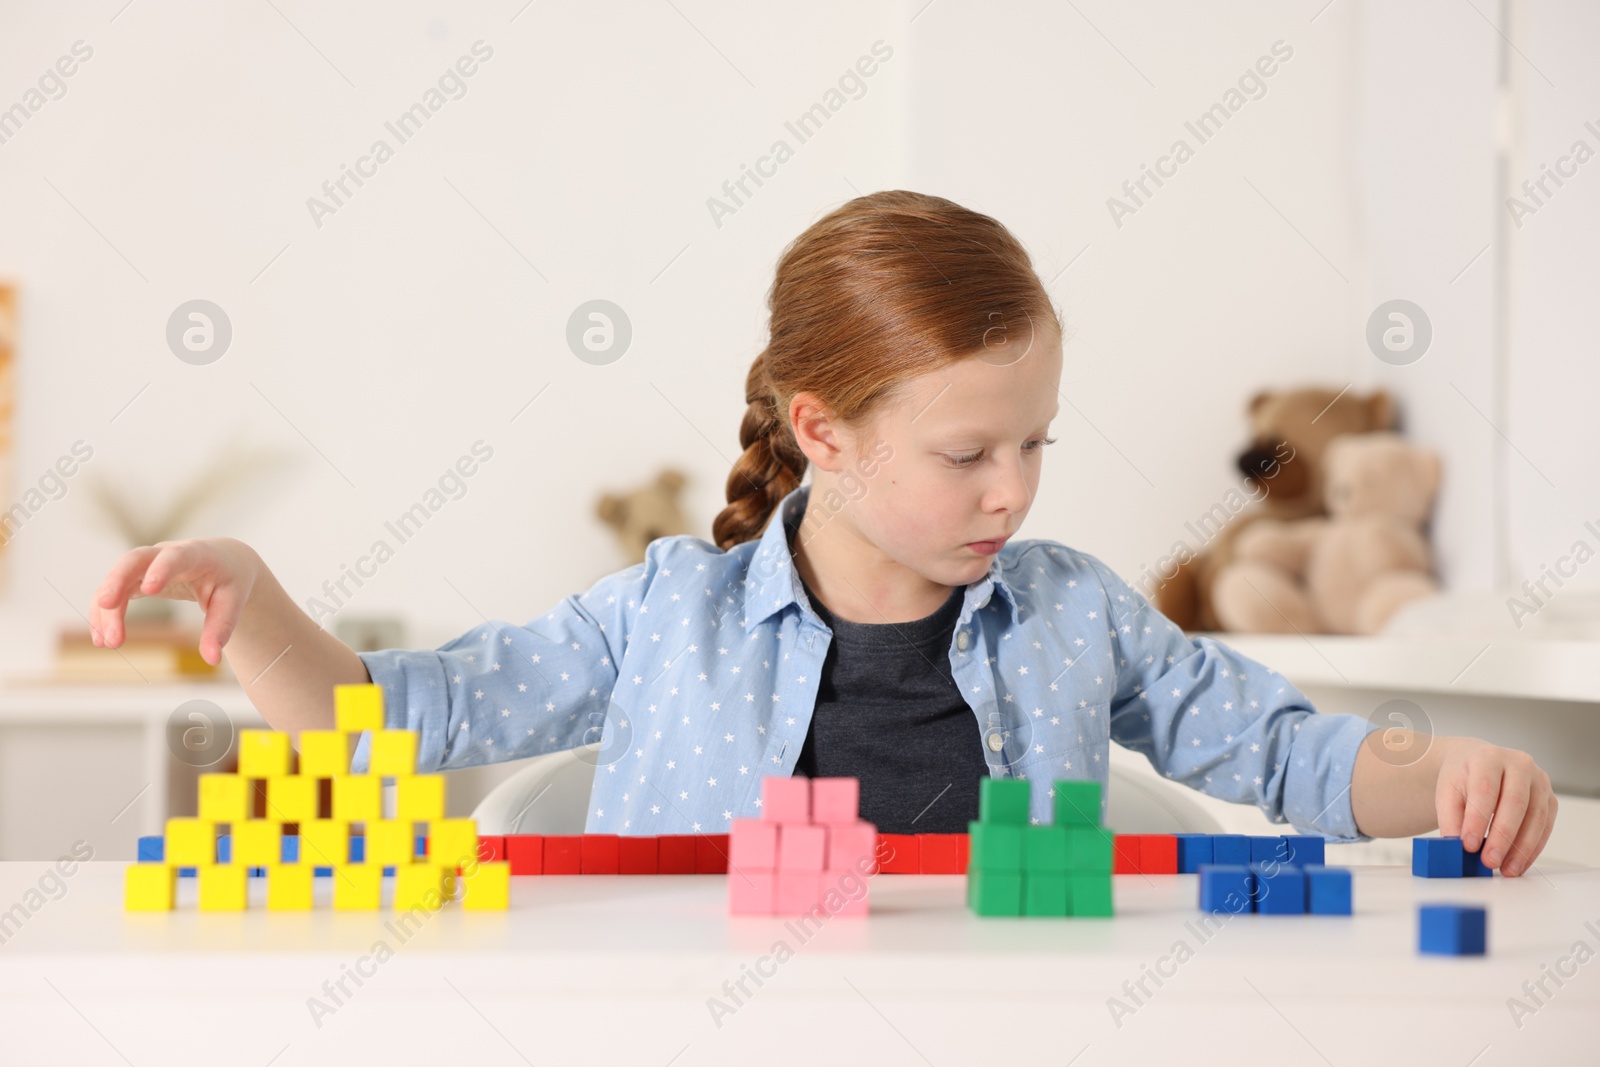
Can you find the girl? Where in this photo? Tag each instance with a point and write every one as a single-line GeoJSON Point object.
{"type": "Point", "coordinates": [879, 621]}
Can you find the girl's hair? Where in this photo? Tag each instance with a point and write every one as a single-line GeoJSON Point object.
{"type": "Point", "coordinates": [884, 289]}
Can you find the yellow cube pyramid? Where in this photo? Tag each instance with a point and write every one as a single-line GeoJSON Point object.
{"type": "Point", "coordinates": [293, 796]}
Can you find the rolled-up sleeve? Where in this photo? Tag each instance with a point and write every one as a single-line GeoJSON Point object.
{"type": "Point", "coordinates": [1212, 718]}
{"type": "Point", "coordinates": [502, 691]}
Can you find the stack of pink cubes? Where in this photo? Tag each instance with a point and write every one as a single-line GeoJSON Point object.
{"type": "Point", "coordinates": [809, 849]}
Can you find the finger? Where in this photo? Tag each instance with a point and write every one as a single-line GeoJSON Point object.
{"type": "Point", "coordinates": [222, 615]}
{"type": "Point", "coordinates": [1483, 792]}
{"type": "Point", "coordinates": [111, 599]}
{"type": "Point", "coordinates": [1525, 848]}
{"type": "Point", "coordinates": [1450, 802]}
{"type": "Point", "coordinates": [174, 561]}
{"type": "Point", "coordinates": [1508, 815]}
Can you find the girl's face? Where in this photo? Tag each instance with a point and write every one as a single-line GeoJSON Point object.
{"type": "Point", "coordinates": [953, 462]}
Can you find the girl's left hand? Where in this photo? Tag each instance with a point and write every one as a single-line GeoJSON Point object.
{"type": "Point", "coordinates": [1499, 790]}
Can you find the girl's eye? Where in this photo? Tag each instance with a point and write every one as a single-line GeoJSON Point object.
{"type": "Point", "coordinates": [1031, 446]}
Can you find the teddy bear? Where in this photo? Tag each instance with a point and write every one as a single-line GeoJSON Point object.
{"type": "Point", "coordinates": [1348, 572]}
{"type": "Point", "coordinates": [645, 514]}
{"type": "Point", "coordinates": [1290, 432]}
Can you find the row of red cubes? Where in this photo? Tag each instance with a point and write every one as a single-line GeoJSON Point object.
{"type": "Point", "coordinates": [708, 853]}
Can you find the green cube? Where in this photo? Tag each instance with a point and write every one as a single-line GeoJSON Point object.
{"type": "Point", "coordinates": [1089, 895]}
{"type": "Point", "coordinates": [995, 846]}
{"type": "Point", "coordinates": [994, 892]}
{"type": "Point", "coordinates": [1088, 849]}
{"type": "Point", "coordinates": [1044, 894]}
{"type": "Point", "coordinates": [1044, 848]}
{"type": "Point", "coordinates": [1077, 803]}
{"type": "Point", "coordinates": [1004, 800]}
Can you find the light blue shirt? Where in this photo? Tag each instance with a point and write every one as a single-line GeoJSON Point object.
{"type": "Point", "coordinates": [697, 672]}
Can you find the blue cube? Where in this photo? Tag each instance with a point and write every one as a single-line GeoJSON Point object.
{"type": "Point", "coordinates": [224, 848]}
{"type": "Point", "coordinates": [322, 872]}
{"type": "Point", "coordinates": [290, 846]}
{"type": "Point", "coordinates": [1436, 857]}
{"type": "Point", "coordinates": [1327, 890]}
{"type": "Point", "coordinates": [1452, 930]}
{"type": "Point", "coordinates": [1306, 850]}
{"type": "Point", "coordinates": [1227, 888]}
{"type": "Point", "coordinates": [1280, 889]}
{"type": "Point", "coordinates": [151, 849]}
{"type": "Point", "coordinates": [1268, 850]}
{"type": "Point", "coordinates": [1193, 850]}
{"type": "Point", "coordinates": [1472, 865]}
{"type": "Point", "coordinates": [358, 848]}
{"type": "Point", "coordinates": [1232, 850]}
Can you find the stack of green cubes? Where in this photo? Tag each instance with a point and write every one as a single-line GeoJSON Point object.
{"type": "Point", "coordinates": [1015, 868]}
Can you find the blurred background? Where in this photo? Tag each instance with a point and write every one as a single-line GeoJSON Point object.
{"type": "Point", "coordinates": [210, 327]}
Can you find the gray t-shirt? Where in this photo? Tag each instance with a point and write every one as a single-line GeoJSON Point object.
{"type": "Point", "coordinates": [889, 713]}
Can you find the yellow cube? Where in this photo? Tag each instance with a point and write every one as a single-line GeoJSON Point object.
{"type": "Point", "coordinates": [358, 798]}
{"type": "Point", "coordinates": [393, 753]}
{"type": "Point", "coordinates": [390, 842]}
{"type": "Point", "coordinates": [225, 797]}
{"type": "Point", "coordinates": [422, 885]}
{"type": "Point", "coordinates": [358, 707]}
{"type": "Point", "coordinates": [150, 887]}
{"type": "Point", "coordinates": [263, 754]}
{"type": "Point", "coordinates": [324, 753]}
{"type": "Point", "coordinates": [291, 798]}
{"type": "Point", "coordinates": [325, 842]}
{"type": "Point", "coordinates": [257, 842]}
{"type": "Point", "coordinates": [419, 797]}
{"type": "Point", "coordinates": [191, 842]}
{"type": "Point", "coordinates": [486, 886]}
{"type": "Point", "coordinates": [289, 886]}
{"type": "Point", "coordinates": [357, 886]}
{"type": "Point", "coordinates": [223, 886]}
{"type": "Point", "coordinates": [453, 842]}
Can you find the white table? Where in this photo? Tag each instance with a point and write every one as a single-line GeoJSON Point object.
{"type": "Point", "coordinates": [619, 970]}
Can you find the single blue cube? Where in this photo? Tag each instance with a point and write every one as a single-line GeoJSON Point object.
{"type": "Point", "coordinates": [1193, 850]}
{"type": "Point", "coordinates": [422, 845]}
{"type": "Point", "coordinates": [1327, 890]}
{"type": "Point", "coordinates": [1231, 850]}
{"type": "Point", "coordinates": [1452, 930]}
{"type": "Point", "coordinates": [322, 872]}
{"type": "Point", "coordinates": [1436, 857]}
{"type": "Point", "coordinates": [358, 849]}
{"type": "Point", "coordinates": [186, 872]}
{"type": "Point", "coordinates": [224, 848]}
{"type": "Point", "coordinates": [1280, 889]}
{"type": "Point", "coordinates": [1227, 888]}
{"type": "Point", "coordinates": [1306, 850]}
{"type": "Point", "coordinates": [290, 848]}
{"type": "Point", "coordinates": [151, 849]}
{"type": "Point", "coordinates": [1472, 865]}
{"type": "Point", "coordinates": [1268, 850]}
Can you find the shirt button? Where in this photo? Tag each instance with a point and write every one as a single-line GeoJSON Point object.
{"type": "Point", "coordinates": [962, 640]}
{"type": "Point", "coordinates": [996, 742]}
{"type": "Point", "coordinates": [983, 603]}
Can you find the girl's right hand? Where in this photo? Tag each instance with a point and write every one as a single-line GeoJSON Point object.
{"type": "Point", "coordinates": [217, 573]}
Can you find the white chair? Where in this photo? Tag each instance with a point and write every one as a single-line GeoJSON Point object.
{"type": "Point", "coordinates": [551, 796]}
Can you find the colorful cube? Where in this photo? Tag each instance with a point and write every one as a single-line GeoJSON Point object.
{"type": "Point", "coordinates": [563, 854]}
{"type": "Point", "coordinates": [452, 842]}
{"type": "Point", "coordinates": [786, 799]}
{"type": "Point", "coordinates": [835, 799]}
{"type": "Point", "coordinates": [899, 854]}
{"type": "Point", "coordinates": [191, 841]}
{"type": "Point", "coordinates": [599, 854]}
{"type": "Point", "coordinates": [393, 753]}
{"type": "Point", "coordinates": [994, 892]}
{"type": "Point", "coordinates": [525, 853]}
{"type": "Point", "coordinates": [291, 798]}
{"type": "Point", "coordinates": [1193, 850]}
{"type": "Point", "coordinates": [325, 842]}
{"type": "Point", "coordinates": [1327, 890]}
{"type": "Point", "coordinates": [422, 885]}
{"type": "Point", "coordinates": [1044, 850]}
{"type": "Point", "coordinates": [1003, 801]}
{"type": "Point", "coordinates": [711, 854]}
{"type": "Point", "coordinates": [752, 892]}
{"type": "Point", "coordinates": [1452, 930]}
{"type": "Point", "coordinates": [150, 886]}
{"type": "Point", "coordinates": [1306, 850]}
{"type": "Point", "coordinates": [324, 753]}
{"type": "Point", "coordinates": [675, 854]}
{"type": "Point", "coordinates": [358, 707]}
{"type": "Point", "coordinates": [1230, 850]}
{"type": "Point", "coordinates": [357, 886]}
{"type": "Point", "coordinates": [1089, 895]}
{"type": "Point", "coordinates": [802, 847]}
{"type": "Point", "coordinates": [1158, 854]}
{"type": "Point", "coordinates": [1077, 803]}
{"type": "Point", "coordinates": [1227, 888]}
{"type": "Point", "coordinates": [995, 846]}
{"type": "Point", "coordinates": [223, 887]}
{"type": "Point", "coordinates": [639, 855]}
{"type": "Point", "coordinates": [263, 753]}
{"type": "Point", "coordinates": [1280, 889]}
{"type": "Point", "coordinates": [939, 853]}
{"type": "Point", "coordinates": [389, 842]}
{"type": "Point", "coordinates": [1044, 893]}
{"type": "Point", "coordinates": [753, 843]}
{"type": "Point", "coordinates": [487, 887]}
{"type": "Point", "coordinates": [419, 798]}
{"type": "Point", "coordinates": [357, 798]}
{"type": "Point", "coordinates": [225, 797]}
{"type": "Point", "coordinates": [289, 887]}
{"type": "Point", "coordinates": [853, 846]}
{"type": "Point", "coordinates": [257, 842]}
{"type": "Point", "coordinates": [1125, 859]}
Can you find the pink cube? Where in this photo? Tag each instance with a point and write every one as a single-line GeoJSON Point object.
{"type": "Point", "coordinates": [753, 843]}
{"type": "Point", "coordinates": [852, 846]}
{"type": "Point", "coordinates": [786, 799]}
{"type": "Point", "coordinates": [799, 892]}
{"type": "Point", "coordinates": [751, 892]}
{"type": "Point", "coordinates": [802, 847]}
{"type": "Point", "coordinates": [835, 799]}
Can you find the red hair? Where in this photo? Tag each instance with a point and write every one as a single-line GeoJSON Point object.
{"type": "Point", "coordinates": [882, 290]}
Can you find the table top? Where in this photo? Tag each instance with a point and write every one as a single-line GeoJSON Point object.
{"type": "Point", "coordinates": [633, 970]}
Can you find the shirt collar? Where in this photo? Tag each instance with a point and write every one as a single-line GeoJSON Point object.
{"type": "Point", "coordinates": [774, 583]}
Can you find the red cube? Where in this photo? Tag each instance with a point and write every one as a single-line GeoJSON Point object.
{"type": "Point", "coordinates": [1158, 854]}
{"type": "Point", "coordinates": [525, 853]}
{"type": "Point", "coordinates": [675, 854]}
{"type": "Point", "coordinates": [491, 849]}
{"type": "Point", "coordinates": [899, 854]}
{"type": "Point", "coordinates": [563, 854]}
{"type": "Point", "coordinates": [637, 855]}
{"type": "Point", "coordinates": [1125, 854]}
{"type": "Point", "coordinates": [711, 854]}
{"type": "Point", "coordinates": [599, 854]}
{"type": "Point", "coordinates": [938, 853]}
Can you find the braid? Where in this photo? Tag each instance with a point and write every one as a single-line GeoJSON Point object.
{"type": "Point", "coordinates": [769, 468]}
